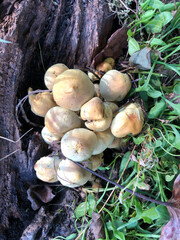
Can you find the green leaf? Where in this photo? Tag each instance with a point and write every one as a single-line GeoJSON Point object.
{"type": "Point", "coordinates": [153, 93]}
{"type": "Point", "coordinates": [138, 140]}
{"type": "Point", "coordinates": [156, 42]}
{"type": "Point", "coordinates": [147, 219]}
{"type": "Point", "coordinates": [81, 210]}
{"type": "Point", "coordinates": [147, 16]}
{"type": "Point", "coordinates": [169, 7]}
{"type": "Point", "coordinates": [125, 160]}
{"type": "Point", "coordinates": [71, 237]}
{"type": "Point", "coordinates": [176, 107]}
{"type": "Point", "coordinates": [150, 213]}
{"type": "Point", "coordinates": [144, 4]}
{"type": "Point", "coordinates": [91, 204]}
{"type": "Point", "coordinates": [133, 46]}
{"type": "Point", "coordinates": [177, 88]}
{"type": "Point", "coordinates": [157, 109]}
{"type": "Point", "coordinates": [169, 178]}
{"type": "Point", "coordinates": [154, 26]}
{"type": "Point", "coordinates": [156, 4]}
{"type": "Point", "coordinates": [118, 235]}
{"type": "Point", "coordinates": [164, 17]}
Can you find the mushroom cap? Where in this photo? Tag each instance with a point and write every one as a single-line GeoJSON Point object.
{"type": "Point", "coordinates": [114, 85]}
{"type": "Point", "coordinates": [78, 144]}
{"type": "Point", "coordinates": [97, 90]}
{"type": "Point", "coordinates": [104, 139]}
{"type": "Point", "coordinates": [104, 123]}
{"type": "Point", "coordinates": [46, 168]}
{"type": "Point", "coordinates": [72, 89]}
{"type": "Point", "coordinates": [93, 109]}
{"type": "Point", "coordinates": [96, 161]}
{"type": "Point", "coordinates": [71, 175]}
{"type": "Point", "coordinates": [59, 120]}
{"type": "Point", "coordinates": [114, 107]}
{"type": "Point", "coordinates": [41, 102]}
{"type": "Point", "coordinates": [48, 136]}
{"type": "Point", "coordinates": [104, 67]}
{"type": "Point", "coordinates": [129, 120]}
{"type": "Point", "coordinates": [111, 61]}
{"type": "Point", "coordinates": [52, 73]}
{"type": "Point", "coordinates": [118, 143]}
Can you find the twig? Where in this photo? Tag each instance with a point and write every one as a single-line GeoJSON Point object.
{"type": "Point", "coordinates": [123, 188]}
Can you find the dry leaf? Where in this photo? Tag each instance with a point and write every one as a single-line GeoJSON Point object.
{"type": "Point", "coordinates": [171, 231]}
{"type": "Point", "coordinates": [113, 48]}
{"type": "Point", "coordinates": [141, 59]}
{"type": "Point", "coordinates": [39, 194]}
{"type": "Point", "coordinates": [96, 228]}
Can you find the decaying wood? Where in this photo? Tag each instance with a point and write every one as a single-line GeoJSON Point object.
{"type": "Point", "coordinates": [42, 33]}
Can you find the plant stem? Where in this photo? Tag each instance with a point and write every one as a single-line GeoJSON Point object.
{"type": "Point", "coordinates": [123, 188]}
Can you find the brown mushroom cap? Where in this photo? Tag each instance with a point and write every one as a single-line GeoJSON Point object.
{"type": "Point", "coordinates": [93, 109]}
{"type": "Point", "coordinates": [78, 144]}
{"type": "Point", "coordinates": [46, 168]}
{"type": "Point", "coordinates": [114, 85]}
{"type": "Point", "coordinates": [128, 121]}
{"type": "Point", "coordinates": [52, 73]}
{"type": "Point", "coordinates": [72, 89]}
{"type": "Point", "coordinates": [41, 102]}
{"type": "Point", "coordinates": [104, 139]}
{"type": "Point", "coordinates": [102, 124]}
{"type": "Point", "coordinates": [59, 120]}
{"type": "Point", "coordinates": [71, 175]}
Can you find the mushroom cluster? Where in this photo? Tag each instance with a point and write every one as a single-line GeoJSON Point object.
{"type": "Point", "coordinates": [83, 118]}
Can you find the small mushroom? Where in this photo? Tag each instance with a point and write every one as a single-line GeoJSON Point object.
{"type": "Point", "coordinates": [48, 136]}
{"type": "Point", "coordinates": [60, 120]}
{"type": "Point", "coordinates": [71, 175]}
{"type": "Point", "coordinates": [111, 61]}
{"type": "Point", "coordinates": [102, 124]}
{"type": "Point", "coordinates": [104, 139]}
{"type": "Point", "coordinates": [52, 73]}
{"type": "Point", "coordinates": [93, 110]}
{"type": "Point", "coordinates": [72, 89]}
{"type": "Point", "coordinates": [46, 168]}
{"type": "Point", "coordinates": [78, 144]}
{"type": "Point", "coordinates": [118, 143]}
{"type": "Point", "coordinates": [114, 85]}
{"type": "Point", "coordinates": [96, 161]}
{"type": "Point", "coordinates": [103, 67]}
{"type": "Point", "coordinates": [41, 102]}
{"type": "Point", "coordinates": [129, 120]}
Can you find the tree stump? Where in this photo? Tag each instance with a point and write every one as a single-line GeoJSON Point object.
{"type": "Point", "coordinates": [42, 33]}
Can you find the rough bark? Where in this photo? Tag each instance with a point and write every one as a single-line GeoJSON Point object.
{"type": "Point", "coordinates": [71, 32]}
